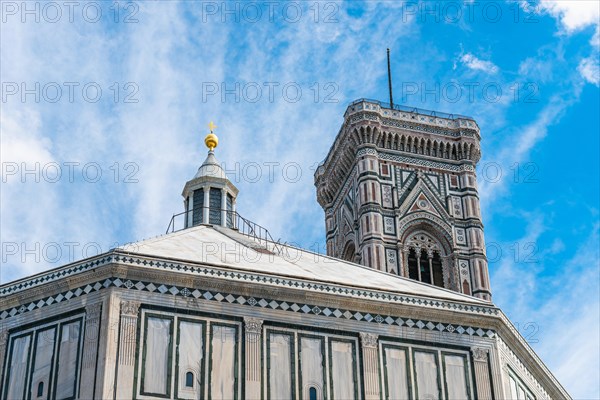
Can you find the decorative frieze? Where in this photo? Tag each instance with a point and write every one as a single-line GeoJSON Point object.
{"type": "Point", "coordinates": [233, 278]}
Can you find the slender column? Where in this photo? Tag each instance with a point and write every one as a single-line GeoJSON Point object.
{"type": "Point", "coordinates": [419, 263]}
{"type": "Point", "coordinates": [447, 263]}
{"type": "Point", "coordinates": [3, 344]}
{"type": "Point", "coordinates": [454, 274]}
{"type": "Point", "coordinates": [430, 258]}
{"type": "Point", "coordinates": [253, 329]}
{"type": "Point", "coordinates": [371, 367]}
{"type": "Point", "coordinates": [90, 350]}
{"type": "Point", "coordinates": [482, 373]}
{"type": "Point", "coordinates": [205, 210]}
{"type": "Point", "coordinates": [233, 211]}
{"type": "Point", "coordinates": [189, 215]}
{"type": "Point", "coordinates": [404, 263]}
{"type": "Point", "coordinates": [223, 207]}
{"type": "Point", "coordinates": [127, 347]}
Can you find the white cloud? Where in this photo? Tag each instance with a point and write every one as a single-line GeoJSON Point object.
{"type": "Point", "coordinates": [572, 14]}
{"type": "Point", "coordinates": [566, 341]}
{"type": "Point", "coordinates": [589, 68]}
{"type": "Point", "coordinates": [575, 15]}
{"type": "Point", "coordinates": [477, 64]}
{"type": "Point", "coordinates": [163, 133]}
{"type": "Point", "coordinates": [595, 40]}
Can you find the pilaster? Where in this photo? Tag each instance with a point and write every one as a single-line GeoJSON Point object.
{"type": "Point", "coordinates": [90, 350]}
{"type": "Point", "coordinates": [107, 351]}
{"type": "Point", "coordinates": [404, 249]}
{"type": "Point", "coordinates": [3, 344]}
{"type": "Point", "coordinates": [253, 336]}
{"type": "Point", "coordinates": [482, 373]}
{"type": "Point", "coordinates": [127, 347]}
{"type": "Point", "coordinates": [371, 366]}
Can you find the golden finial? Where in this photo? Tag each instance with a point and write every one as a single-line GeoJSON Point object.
{"type": "Point", "coordinates": [211, 140]}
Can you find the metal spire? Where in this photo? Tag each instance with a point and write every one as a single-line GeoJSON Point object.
{"type": "Point", "coordinates": [390, 79]}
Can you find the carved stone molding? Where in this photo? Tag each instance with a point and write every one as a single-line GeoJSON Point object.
{"type": "Point", "coordinates": [130, 308]}
{"type": "Point", "coordinates": [479, 354]}
{"type": "Point", "coordinates": [253, 325]}
{"type": "Point", "coordinates": [3, 337]}
{"type": "Point", "coordinates": [368, 340]}
{"type": "Point", "coordinates": [92, 311]}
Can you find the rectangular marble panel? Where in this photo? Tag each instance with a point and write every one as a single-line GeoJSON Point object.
{"type": "Point", "coordinates": [280, 366]}
{"type": "Point", "coordinates": [223, 362]}
{"type": "Point", "coordinates": [386, 196]}
{"type": "Point", "coordinates": [42, 363]}
{"type": "Point", "coordinates": [157, 351]}
{"type": "Point", "coordinates": [457, 209]}
{"type": "Point", "coordinates": [396, 373]}
{"type": "Point", "coordinates": [68, 356]}
{"type": "Point", "coordinates": [342, 370]}
{"type": "Point", "coordinates": [190, 352]}
{"type": "Point", "coordinates": [19, 358]}
{"type": "Point", "coordinates": [456, 378]}
{"type": "Point", "coordinates": [426, 371]}
{"type": "Point", "coordinates": [311, 363]}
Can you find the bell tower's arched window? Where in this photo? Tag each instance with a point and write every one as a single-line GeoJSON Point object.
{"type": "Point", "coordinates": [424, 259]}
{"type": "Point", "coordinates": [349, 252]}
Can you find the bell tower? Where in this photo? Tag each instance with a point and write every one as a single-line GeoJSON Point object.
{"type": "Point", "coordinates": [399, 192]}
{"type": "Point", "coordinates": [209, 197]}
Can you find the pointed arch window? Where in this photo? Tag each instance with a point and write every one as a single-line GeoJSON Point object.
{"type": "Point", "coordinates": [424, 260]}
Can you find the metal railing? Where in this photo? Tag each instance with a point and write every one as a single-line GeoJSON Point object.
{"type": "Point", "coordinates": [233, 220]}
{"type": "Point", "coordinates": [416, 110]}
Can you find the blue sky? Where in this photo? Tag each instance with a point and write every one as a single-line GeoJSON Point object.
{"type": "Point", "coordinates": [276, 81]}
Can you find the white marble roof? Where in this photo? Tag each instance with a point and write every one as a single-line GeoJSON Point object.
{"type": "Point", "coordinates": [210, 168]}
{"type": "Point", "coordinates": [227, 248]}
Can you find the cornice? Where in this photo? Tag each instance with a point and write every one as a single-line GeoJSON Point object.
{"type": "Point", "coordinates": [425, 117]}
{"type": "Point", "coordinates": [225, 291]}
{"type": "Point", "coordinates": [156, 267]}
{"type": "Point", "coordinates": [420, 124]}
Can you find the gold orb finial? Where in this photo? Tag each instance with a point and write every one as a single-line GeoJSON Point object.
{"type": "Point", "coordinates": [211, 140]}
